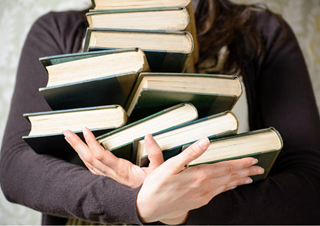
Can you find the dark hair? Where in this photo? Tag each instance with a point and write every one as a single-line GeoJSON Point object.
{"type": "Point", "coordinates": [223, 23]}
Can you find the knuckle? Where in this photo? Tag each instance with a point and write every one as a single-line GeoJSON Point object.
{"type": "Point", "coordinates": [202, 177]}
{"type": "Point", "coordinates": [192, 152]}
{"type": "Point", "coordinates": [229, 168]}
{"type": "Point", "coordinates": [234, 176]}
{"type": "Point", "coordinates": [88, 159]}
{"type": "Point", "coordinates": [98, 155]}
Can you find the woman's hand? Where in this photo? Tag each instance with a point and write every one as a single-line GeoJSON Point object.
{"type": "Point", "coordinates": [171, 190]}
{"type": "Point", "coordinates": [102, 162]}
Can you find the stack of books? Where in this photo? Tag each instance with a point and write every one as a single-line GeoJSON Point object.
{"type": "Point", "coordinates": [135, 77]}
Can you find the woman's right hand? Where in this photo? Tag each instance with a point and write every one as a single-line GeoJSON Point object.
{"type": "Point", "coordinates": [172, 190]}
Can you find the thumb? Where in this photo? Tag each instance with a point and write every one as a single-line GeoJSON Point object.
{"type": "Point", "coordinates": [154, 152]}
{"type": "Point", "coordinates": [194, 151]}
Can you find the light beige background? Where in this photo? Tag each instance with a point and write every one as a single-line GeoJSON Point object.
{"type": "Point", "coordinates": [17, 16]}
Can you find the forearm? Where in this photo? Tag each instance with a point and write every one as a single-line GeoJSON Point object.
{"type": "Point", "coordinates": [43, 182]}
{"type": "Point", "coordinates": [287, 197]}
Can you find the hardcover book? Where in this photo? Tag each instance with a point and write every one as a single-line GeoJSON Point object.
{"type": "Point", "coordinates": [92, 79]}
{"type": "Point", "coordinates": [147, 4]}
{"type": "Point", "coordinates": [171, 141]}
{"type": "Point", "coordinates": [210, 94]}
{"type": "Point", "coordinates": [166, 51]}
{"type": "Point", "coordinates": [264, 145]}
{"type": "Point", "coordinates": [163, 19]}
{"type": "Point", "coordinates": [46, 135]}
{"type": "Point", "coordinates": [163, 120]}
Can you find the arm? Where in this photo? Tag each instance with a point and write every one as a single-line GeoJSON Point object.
{"type": "Point", "coordinates": [42, 182]}
{"type": "Point", "coordinates": [170, 189]}
{"type": "Point", "coordinates": [282, 96]}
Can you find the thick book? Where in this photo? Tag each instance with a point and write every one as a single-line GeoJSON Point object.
{"type": "Point", "coordinates": [99, 5]}
{"type": "Point", "coordinates": [163, 19]}
{"type": "Point", "coordinates": [92, 79]}
{"type": "Point", "coordinates": [264, 145]}
{"type": "Point", "coordinates": [166, 51]}
{"type": "Point", "coordinates": [120, 140]}
{"type": "Point", "coordinates": [210, 94]}
{"type": "Point", "coordinates": [172, 140]}
{"type": "Point", "coordinates": [46, 135]}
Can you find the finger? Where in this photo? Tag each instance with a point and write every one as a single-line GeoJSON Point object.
{"type": "Point", "coordinates": [78, 145]}
{"type": "Point", "coordinates": [98, 152]}
{"type": "Point", "coordinates": [154, 152]}
{"type": "Point", "coordinates": [178, 163]}
{"type": "Point", "coordinates": [227, 167]}
{"type": "Point", "coordinates": [85, 153]}
{"type": "Point", "coordinates": [239, 175]}
{"type": "Point", "coordinates": [239, 182]}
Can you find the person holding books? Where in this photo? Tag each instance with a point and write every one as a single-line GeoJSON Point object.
{"type": "Point", "coordinates": [279, 93]}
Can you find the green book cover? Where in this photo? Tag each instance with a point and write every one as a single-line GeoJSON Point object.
{"type": "Point", "coordinates": [58, 59]}
{"type": "Point", "coordinates": [97, 91]}
{"type": "Point", "coordinates": [54, 143]}
{"type": "Point", "coordinates": [153, 100]}
{"type": "Point", "coordinates": [142, 160]}
{"type": "Point", "coordinates": [168, 18]}
{"type": "Point", "coordinates": [113, 89]}
{"type": "Point", "coordinates": [163, 120]}
{"type": "Point", "coordinates": [266, 156]}
{"type": "Point", "coordinates": [153, 5]}
{"type": "Point", "coordinates": [159, 60]}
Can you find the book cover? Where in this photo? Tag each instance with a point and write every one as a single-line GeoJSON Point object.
{"type": "Point", "coordinates": [46, 135]}
{"type": "Point", "coordinates": [153, 100]}
{"type": "Point", "coordinates": [163, 120]}
{"type": "Point", "coordinates": [159, 58]}
{"type": "Point", "coordinates": [95, 89]}
{"type": "Point", "coordinates": [265, 152]}
{"type": "Point", "coordinates": [224, 124]}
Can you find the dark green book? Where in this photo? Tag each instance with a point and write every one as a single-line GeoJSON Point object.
{"type": "Point", "coordinates": [92, 79]}
{"type": "Point", "coordinates": [172, 139]}
{"type": "Point", "coordinates": [210, 94]}
{"type": "Point", "coordinates": [168, 118]}
{"type": "Point", "coordinates": [46, 135]}
{"type": "Point", "coordinates": [142, 5]}
{"type": "Point", "coordinates": [264, 145]}
{"type": "Point", "coordinates": [166, 51]}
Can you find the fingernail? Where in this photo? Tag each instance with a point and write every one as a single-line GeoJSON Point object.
{"type": "Point", "coordinates": [203, 142]}
{"type": "Point", "coordinates": [84, 129]}
{"type": "Point", "coordinates": [248, 181]}
{"type": "Point", "coordinates": [233, 187]}
{"type": "Point", "coordinates": [147, 138]}
{"type": "Point", "coordinates": [261, 171]}
{"type": "Point", "coordinates": [255, 161]}
{"type": "Point", "coordinates": [66, 133]}
{"type": "Point", "coordinates": [67, 140]}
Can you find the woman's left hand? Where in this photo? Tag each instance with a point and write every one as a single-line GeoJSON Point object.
{"type": "Point", "coordinates": [102, 162]}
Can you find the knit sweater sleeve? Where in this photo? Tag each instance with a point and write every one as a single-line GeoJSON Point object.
{"type": "Point", "coordinates": [42, 182]}
{"type": "Point", "coordinates": [280, 95]}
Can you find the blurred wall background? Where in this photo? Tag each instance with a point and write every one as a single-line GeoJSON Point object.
{"type": "Point", "coordinates": [17, 16]}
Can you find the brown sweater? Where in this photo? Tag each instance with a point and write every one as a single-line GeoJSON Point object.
{"type": "Point", "coordinates": [279, 94]}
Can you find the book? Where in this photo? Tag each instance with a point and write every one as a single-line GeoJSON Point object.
{"type": "Point", "coordinates": [164, 19]}
{"type": "Point", "coordinates": [141, 19]}
{"type": "Point", "coordinates": [163, 120]}
{"type": "Point", "coordinates": [99, 5]}
{"type": "Point", "coordinates": [166, 51]}
{"type": "Point", "coordinates": [171, 141]}
{"type": "Point", "coordinates": [46, 135]}
{"type": "Point", "coordinates": [264, 145]}
{"type": "Point", "coordinates": [92, 79]}
{"type": "Point", "coordinates": [210, 94]}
